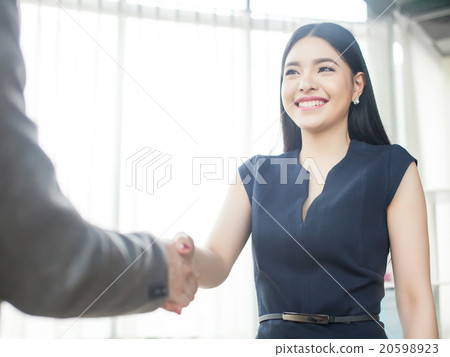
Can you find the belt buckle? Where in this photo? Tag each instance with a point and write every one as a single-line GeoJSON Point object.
{"type": "Point", "coordinates": [310, 318]}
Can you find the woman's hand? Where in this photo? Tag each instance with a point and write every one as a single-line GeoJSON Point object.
{"type": "Point", "coordinates": [182, 272]}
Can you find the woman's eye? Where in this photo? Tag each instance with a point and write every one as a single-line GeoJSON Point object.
{"type": "Point", "coordinates": [290, 71]}
{"type": "Point", "coordinates": [326, 69]}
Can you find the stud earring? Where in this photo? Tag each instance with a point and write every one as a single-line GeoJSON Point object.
{"type": "Point", "coordinates": [356, 101]}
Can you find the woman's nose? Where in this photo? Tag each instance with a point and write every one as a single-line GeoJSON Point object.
{"type": "Point", "coordinates": [307, 82]}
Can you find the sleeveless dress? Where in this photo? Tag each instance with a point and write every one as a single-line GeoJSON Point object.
{"type": "Point", "coordinates": [334, 261]}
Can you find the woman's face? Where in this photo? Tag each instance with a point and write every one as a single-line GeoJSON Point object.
{"type": "Point", "coordinates": [318, 86]}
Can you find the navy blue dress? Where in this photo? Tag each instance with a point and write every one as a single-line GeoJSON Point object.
{"type": "Point", "coordinates": [334, 261]}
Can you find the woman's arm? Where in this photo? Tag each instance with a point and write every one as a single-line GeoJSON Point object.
{"type": "Point", "coordinates": [227, 239]}
{"type": "Point", "coordinates": [214, 261]}
{"type": "Point", "coordinates": [407, 225]}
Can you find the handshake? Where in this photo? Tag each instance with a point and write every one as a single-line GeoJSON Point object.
{"type": "Point", "coordinates": [182, 272]}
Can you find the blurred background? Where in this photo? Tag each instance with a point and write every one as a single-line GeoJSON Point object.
{"type": "Point", "coordinates": [113, 82]}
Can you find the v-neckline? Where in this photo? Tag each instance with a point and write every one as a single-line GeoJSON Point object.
{"type": "Point", "coordinates": [304, 220]}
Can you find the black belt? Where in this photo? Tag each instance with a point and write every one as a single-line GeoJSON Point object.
{"type": "Point", "coordinates": [317, 318]}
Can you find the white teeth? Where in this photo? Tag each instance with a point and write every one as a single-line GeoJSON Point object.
{"type": "Point", "coordinates": [312, 103]}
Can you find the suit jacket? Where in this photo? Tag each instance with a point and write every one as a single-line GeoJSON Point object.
{"type": "Point", "coordinates": [52, 262]}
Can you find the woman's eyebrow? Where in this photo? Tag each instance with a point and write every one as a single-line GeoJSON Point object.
{"type": "Point", "coordinates": [316, 61]}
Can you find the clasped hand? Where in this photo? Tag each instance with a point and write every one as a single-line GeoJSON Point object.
{"type": "Point", "coordinates": [182, 273]}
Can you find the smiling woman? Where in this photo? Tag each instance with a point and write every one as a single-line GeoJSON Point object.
{"type": "Point", "coordinates": [307, 75]}
{"type": "Point", "coordinates": [345, 73]}
{"type": "Point", "coordinates": [321, 236]}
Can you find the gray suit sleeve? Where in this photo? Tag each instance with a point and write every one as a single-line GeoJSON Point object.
{"type": "Point", "coordinates": [52, 262]}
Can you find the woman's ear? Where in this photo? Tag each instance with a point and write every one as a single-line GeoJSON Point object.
{"type": "Point", "coordinates": [359, 81]}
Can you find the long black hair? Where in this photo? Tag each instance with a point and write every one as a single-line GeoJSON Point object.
{"type": "Point", "coordinates": [364, 121]}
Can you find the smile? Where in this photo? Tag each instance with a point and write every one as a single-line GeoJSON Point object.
{"type": "Point", "coordinates": [311, 104]}
{"type": "Point", "coordinates": [308, 103]}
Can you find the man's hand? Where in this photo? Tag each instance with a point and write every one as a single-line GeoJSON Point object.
{"type": "Point", "coordinates": [183, 276]}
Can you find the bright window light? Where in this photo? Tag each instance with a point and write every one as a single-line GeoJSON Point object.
{"type": "Point", "coordinates": [196, 5]}
{"type": "Point", "coordinates": [398, 53]}
{"type": "Point", "coordinates": [332, 10]}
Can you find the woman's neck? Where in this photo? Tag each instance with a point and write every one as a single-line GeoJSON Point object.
{"type": "Point", "coordinates": [325, 149]}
